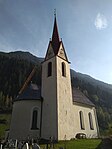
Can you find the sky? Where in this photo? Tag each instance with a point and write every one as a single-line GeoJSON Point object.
{"type": "Point", "coordinates": [85, 27]}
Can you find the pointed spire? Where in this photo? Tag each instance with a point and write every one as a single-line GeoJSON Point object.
{"type": "Point", "coordinates": [55, 36]}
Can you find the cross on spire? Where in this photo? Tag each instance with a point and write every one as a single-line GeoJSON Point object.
{"type": "Point", "coordinates": [54, 12]}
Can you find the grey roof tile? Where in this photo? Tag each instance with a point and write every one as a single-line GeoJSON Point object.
{"type": "Point", "coordinates": [79, 97]}
{"type": "Point", "coordinates": [31, 92]}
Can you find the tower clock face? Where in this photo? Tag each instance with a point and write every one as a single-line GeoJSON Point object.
{"type": "Point", "coordinates": [61, 51]}
{"type": "Point", "coordinates": [50, 53]}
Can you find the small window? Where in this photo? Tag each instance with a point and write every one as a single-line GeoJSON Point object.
{"type": "Point", "coordinates": [63, 69]}
{"type": "Point", "coordinates": [49, 69]}
{"type": "Point", "coordinates": [34, 119]}
{"type": "Point", "coordinates": [91, 121]}
{"type": "Point", "coordinates": [81, 120]}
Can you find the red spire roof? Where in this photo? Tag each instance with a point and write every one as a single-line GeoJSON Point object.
{"type": "Point", "coordinates": [55, 41]}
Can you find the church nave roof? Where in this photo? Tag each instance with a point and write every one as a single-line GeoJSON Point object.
{"type": "Point", "coordinates": [79, 97]}
{"type": "Point", "coordinates": [31, 92]}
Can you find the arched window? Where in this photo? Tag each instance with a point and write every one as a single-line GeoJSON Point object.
{"type": "Point", "coordinates": [81, 120]}
{"type": "Point", "coordinates": [34, 119]}
{"type": "Point", "coordinates": [49, 69]}
{"type": "Point", "coordinates": [63, 69]}
{"type": "Point", "coordinates": [91, 121]}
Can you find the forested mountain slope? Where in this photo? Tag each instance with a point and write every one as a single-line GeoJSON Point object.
{"type": "Point", "coordinates": [15, 67]}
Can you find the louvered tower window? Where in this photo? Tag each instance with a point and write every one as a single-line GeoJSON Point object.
{"type": "Point", "coordinates": [49, 69]}
{"type": "Point", "coordinates": [63, 69]}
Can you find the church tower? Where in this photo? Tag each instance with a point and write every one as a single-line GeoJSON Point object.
{"type": "Point", "coordinates": [56, 90]}
{"type": "Point", "coordinates": [56, 109]}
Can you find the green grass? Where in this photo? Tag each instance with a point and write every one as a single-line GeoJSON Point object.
{"type": "Point", "coordinates": [73, 144]}
{"type": "Point", "coordinates": [79, 144]}
{"type": "Point", "coordinates": [5, 126]}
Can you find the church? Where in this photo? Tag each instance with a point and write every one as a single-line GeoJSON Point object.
{"type": "Point", "coordinates": [54, 109]}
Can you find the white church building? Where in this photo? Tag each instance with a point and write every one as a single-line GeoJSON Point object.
{"type": "Point", "coordinates": [54, 109]}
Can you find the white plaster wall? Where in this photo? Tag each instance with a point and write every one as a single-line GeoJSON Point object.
{"type": "Point", "coordinates": [64, 97]}
{"type": "Point", "coordinates": [60, 115]}
{"type": "Point", "coordinates": [49, 94]}
{"type": "Point", "coordinates": [85, 109]}
{"type": "Point", "coordinates": [21, 120]}
{"type": "Point", "coordinates": [68, 113]}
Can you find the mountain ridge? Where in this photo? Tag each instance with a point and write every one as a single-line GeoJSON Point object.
{"type": "Point", "coordinates": [16, 67]}
{"type": "Point", "coordinates": [28, 56]}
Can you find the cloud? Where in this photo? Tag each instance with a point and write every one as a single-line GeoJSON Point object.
{"type": "Point", "coordinates": [100, 22]}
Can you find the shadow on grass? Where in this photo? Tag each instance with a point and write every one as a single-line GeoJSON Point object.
{"type": "Point", "coordinates": [105, 144]}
